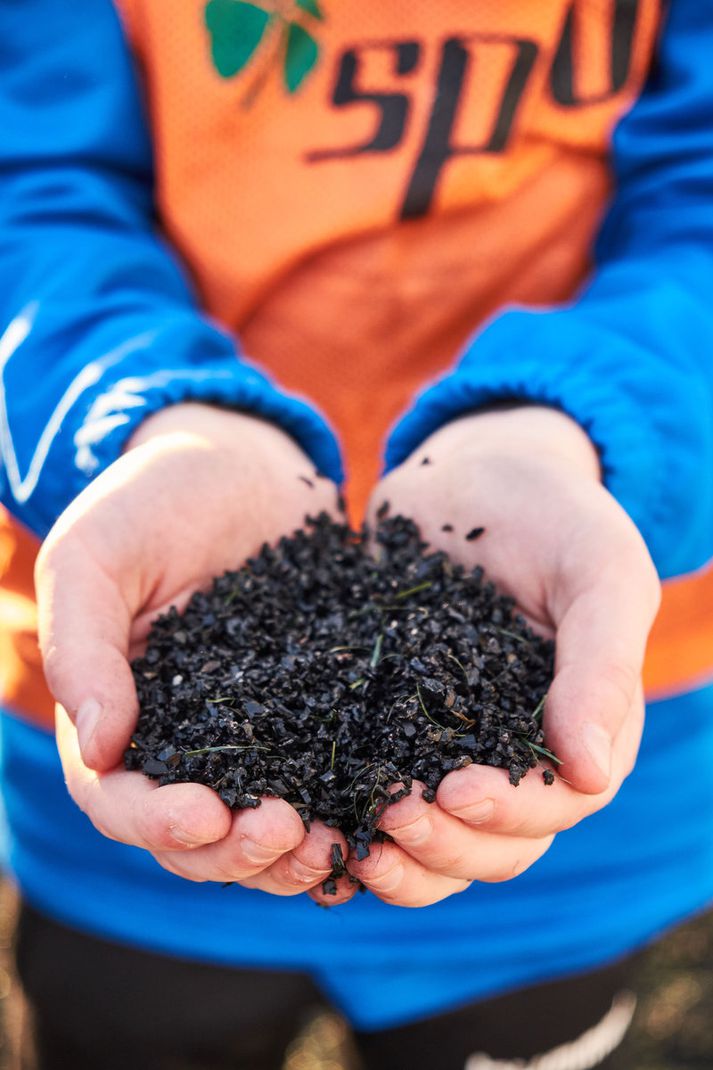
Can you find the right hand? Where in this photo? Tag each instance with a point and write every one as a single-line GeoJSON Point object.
{"type": "Point", "coordinates": [197, 491]}
{"type": "Point", "coordinates": [554, 538]}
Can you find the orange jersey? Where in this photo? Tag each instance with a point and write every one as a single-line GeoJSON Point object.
{"type": "Point", "coordinates": [356, 188]}
{"type": "Point", "coordinates": [430, 144]}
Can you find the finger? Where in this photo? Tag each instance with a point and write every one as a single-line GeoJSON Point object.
{"type": "Point", "coordinates": [443, 844]}
{"type": "Point", "coordinates": [132, 809]}
{"type": "Point", "coordinates": [346, 888]}
{"type": "Point", "coordinates": [84, 629]}
{"type": "Point", "coordinates": [600, 650]}
{"type": "Point", "coordinates": [255, 841]}
{"type": "Point", "coordinates": [484, 798]}
{"type": "Point", "coordinates": [307, 866]}
{"type": "Point", "coordinates": [395, 878]}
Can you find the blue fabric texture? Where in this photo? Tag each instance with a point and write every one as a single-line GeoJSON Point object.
{"type": "Point", "coordinates": [98, 324]}
{"type": "Point", "coordinates": [99, 327]}
{"type": "Point", "coordinates": [605, 888]}
{"type": "Point", "coordinates": [632, 358]}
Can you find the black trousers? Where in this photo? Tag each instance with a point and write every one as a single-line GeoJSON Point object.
{"type": "Point", "coordinates": [93, 1005]}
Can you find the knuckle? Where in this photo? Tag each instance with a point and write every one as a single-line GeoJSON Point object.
{"type": "Point", "coordinates": [229, 872]}
{"type": "Point", "coordinates": [412, 902]}
{"type": "Point", "coordinates": [500, 876]}
{"type": "Point", "coordinates": [508, 871]}
{"type": "Point", "coordinates": [228, 864]}
{"type": "Point", "coordinates": [624, 675]}
{"type": "Point", "coordinates": [623, 680]}
{"type": "Point", "coordinates": [635, 559]}
{"type": "Point", "coordinates": [104, 829]}
{"type": "Point", "coordinates": [57, 662]}
{"type": "Point", "coordinates": [153, 827]}
{"type": "Point", "coordinates": [264, 882]}
{"type": "Point", "coordinates": [300, 876]}
{"type": "Point", "coordinates": [426, 897]}
{"type": "Point", "coordinates": [386, 882]}
{"type": "Point", "coordinates": [167, 863]}
{"type": "Point", "coordinates": [452, 864]}
{"type": "Point", "coordinates": [414, 833]}
{"type": "Point", "coordinates": [86, 793]}
{"type": "Point", "coordinates": [570, 814]}
{"type": "Point", "coordinates": [234, 866]}
{"type": "Point", "coordinates": [569, 822]}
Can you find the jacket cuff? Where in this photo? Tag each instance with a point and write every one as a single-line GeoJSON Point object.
{"type": "Point", "coordinates": [647, 429]}
{"type": "Point", "coordinates": [95, 429]}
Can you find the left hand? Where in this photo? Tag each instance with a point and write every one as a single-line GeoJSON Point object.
{"type": "Point", "coordinates": [197, 490]}
{"type": "Point", "coordinates": [558, 542]}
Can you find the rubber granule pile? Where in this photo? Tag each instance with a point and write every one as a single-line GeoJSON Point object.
{"type": "Point", "coordinates": [334, 666]}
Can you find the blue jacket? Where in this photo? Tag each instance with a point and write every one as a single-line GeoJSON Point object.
{"type": "Point", "coordinates": [100, 327]}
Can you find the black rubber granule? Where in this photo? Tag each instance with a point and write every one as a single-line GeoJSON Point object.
{"type": "Point", "coordinates": [324, 672]}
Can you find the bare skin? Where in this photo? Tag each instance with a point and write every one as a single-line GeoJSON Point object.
{"type": "Point", "coordinates": [197, 491]}
{"type": "Point", "coordinates": [557, 540]}
{"type": "Point", "coordinates": [200, 489]}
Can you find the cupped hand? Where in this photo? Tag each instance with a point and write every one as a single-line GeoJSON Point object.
{"type": "Point", "coordinates": [556, 540]}
{"type": "Point", "coordinates": [198, 491]}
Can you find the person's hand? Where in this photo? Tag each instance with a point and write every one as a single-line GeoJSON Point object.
{"type": "Point", "coordinates": [198, 490]}
{"type": "Point", "coordinates": [557, 542]}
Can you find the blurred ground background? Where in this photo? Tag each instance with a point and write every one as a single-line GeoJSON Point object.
{"type": "Point", "coordinates": [673, 1028]}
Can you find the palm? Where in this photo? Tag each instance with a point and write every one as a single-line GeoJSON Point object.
{"type": "Point", "coordinates": [557, 542]}
{"type": "Point", "coordinates": [176, 546]}
{"type": "Point", "coordinates": [521, 539]}
{"type": "Point", "coordinates": [553, 538]}
{"type": "Point", "coordinates": [199, 492]}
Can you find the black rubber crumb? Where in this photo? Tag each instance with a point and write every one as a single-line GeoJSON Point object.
{"type": "Point", "coordinates": [447, 527]}
{"type": "Point", "coordinates": [338, 866]}
{"type": "Point", "coordinates": [474, 533]}
{"type": "Point", "coordinates": [323, 676]}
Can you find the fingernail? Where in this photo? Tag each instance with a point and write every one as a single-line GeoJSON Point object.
{"type": "Point", "coordinates": [87, 720]}
{"type": "Point", "coordinates": [598, 746]}
{"type": "Point", "coordinates": [415, 834]}
{"type": "Point", "coordinates": [258, 852]}
{"type": "Point", "coordinates": [476, 814]}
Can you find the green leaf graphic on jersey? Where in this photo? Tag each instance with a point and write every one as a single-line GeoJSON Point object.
{"type": "Point", "coordinates": [300, 57]}
{"type": "Point", "coordinates": [236, 28]}
{"type": "Point", "coordinates": [246, 34]}
{"type": "Point", "coordinates": [311, 7]}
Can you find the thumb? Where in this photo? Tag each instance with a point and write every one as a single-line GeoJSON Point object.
{"type": "Point", "coordinates": [600, 650]}
{"type": "Point", "coordinates": [84, 627]}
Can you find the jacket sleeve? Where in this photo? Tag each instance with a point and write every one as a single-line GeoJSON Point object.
{"type": "Point", "coordinates": [632, 359]}
{"type": "Point", "coordinates": [98, 326]}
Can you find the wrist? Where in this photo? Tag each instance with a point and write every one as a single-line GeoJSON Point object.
{"type": "Point", "coordinates": [535, 432]}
